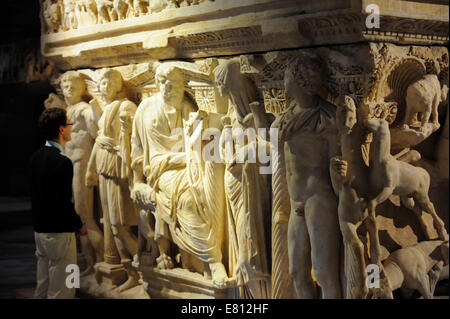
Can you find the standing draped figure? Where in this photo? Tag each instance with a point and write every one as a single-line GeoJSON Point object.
{"type": "Point", "coordinates": [247, 198]}
{"type": "Point", "coordinates": [110, 163]}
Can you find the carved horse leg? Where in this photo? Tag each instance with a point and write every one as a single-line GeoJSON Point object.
{"type": "Point", "coordinates": [352, 212]}
{"type": "Point", "coordinates": [372, 226]}
{"type": "Point", "coordinates": [434, 274]}
{"type": "Point", "coordinates": [355, 266]}
{"type": "Point", "coordinates": [410, 204]}
{"type": "Point", "coordinates": [424, 202]}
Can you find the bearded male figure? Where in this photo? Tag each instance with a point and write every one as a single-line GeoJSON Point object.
{"type": "Point", "coordinates": [187, 212]}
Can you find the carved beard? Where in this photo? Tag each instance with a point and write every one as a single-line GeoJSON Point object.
{"type": "Point", "coordinates": [172, 98]}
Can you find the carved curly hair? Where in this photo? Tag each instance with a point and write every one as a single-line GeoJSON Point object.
{"type": "Point", "coordinates": [113, 75]}
{"type": "Point", "coordinates": [307, 71]}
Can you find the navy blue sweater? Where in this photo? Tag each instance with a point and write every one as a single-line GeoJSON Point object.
{"type": "Point", "coordinates": [51, 192]}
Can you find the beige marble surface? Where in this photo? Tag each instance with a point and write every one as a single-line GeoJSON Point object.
{"type": "Point", "coordinates": [232, 167]}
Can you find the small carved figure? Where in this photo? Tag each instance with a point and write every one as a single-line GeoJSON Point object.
{"type": "Point", "coordinates": [52, 13]}
{"type": "Point", "coordinates": [70, 20]}
{"type": "Point", "coordinates": [390, 176]}
{"type": "Point", "coordinates": [140, 7]}
{"type": "Point", "coordinates": [121, 8]}
{"type": "Point", "coordinates": [104, 8]}
{"type": "Point", "coordinates": [86, 12]}
{"type": "Point", "coordinates": [423, 97]}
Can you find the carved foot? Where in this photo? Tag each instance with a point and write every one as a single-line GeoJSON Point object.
{"type": "Point", "coordinates": [164, 262]}
{"type": "Point", "coordinates": [131, 282]}
{"type": "Point", "coordinates": [219, 274]}
{"type": "Point", "coordinates": [436, 125]}
{"type": "Point", "coordinates": [442, 232]}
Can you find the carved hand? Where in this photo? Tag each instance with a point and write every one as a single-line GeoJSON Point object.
{"type": "Point", "coordinates": [141, 195]}
{"type": "Point", "coordinates": [83, 230]}
{"type": "Point", "coordinates": [339, 166]}
{"type": "Point", "coordinates": [193, 117]}
{"type": "Point", "coordinates": [91, 179]}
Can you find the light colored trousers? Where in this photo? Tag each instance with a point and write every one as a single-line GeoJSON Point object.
{"type": "Point", "coordinates": [54, 251]}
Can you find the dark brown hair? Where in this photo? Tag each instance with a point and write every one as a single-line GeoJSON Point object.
{"type": "Point", "coordinates": [50, 121]}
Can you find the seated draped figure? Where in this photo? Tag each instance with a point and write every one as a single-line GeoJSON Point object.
{"type": "Point", "coordinates": [188, 210]}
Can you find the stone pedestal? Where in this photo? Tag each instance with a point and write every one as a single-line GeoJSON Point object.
{"type": "Point", "coordinates": [181, 284]}
{"type": "Point", "coordinates": [112, 275]}
{"type": "Point", "coordinates": [111, 271]}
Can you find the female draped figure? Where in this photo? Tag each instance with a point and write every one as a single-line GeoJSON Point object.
{"type": "Point", "coordinates": [247, 198]}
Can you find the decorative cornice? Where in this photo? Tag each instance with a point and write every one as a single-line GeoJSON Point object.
{"type": "Point", "coordinates": [237, 27]}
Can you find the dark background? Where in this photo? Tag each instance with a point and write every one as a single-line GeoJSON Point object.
{"type": "Point", "coordinates": [20, 102]}
{"type": "Point", "coordinates": [20, 105]}
{"type": "Point", "coordinates": [19, 19]}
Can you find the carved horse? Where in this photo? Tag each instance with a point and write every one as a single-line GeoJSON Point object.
{"type": "Point", "coordinates": [390, 176]}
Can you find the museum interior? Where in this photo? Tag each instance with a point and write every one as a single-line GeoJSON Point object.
{"type": "Point", "coordinates": [234, 149]}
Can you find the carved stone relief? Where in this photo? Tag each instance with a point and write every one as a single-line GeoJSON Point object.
{"type": "Point", "coordinates": [124, 31]}
{"type": "Point", "coordinates": [65, 15]}
{"type": "Point", "coordinates": [354, 103]}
